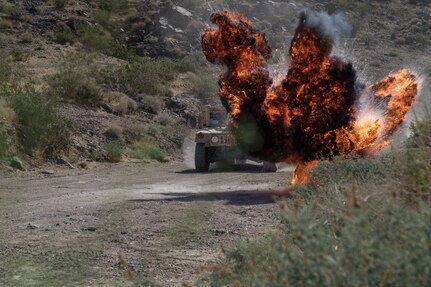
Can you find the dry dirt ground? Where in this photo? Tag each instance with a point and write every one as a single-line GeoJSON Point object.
{"type": "Point", "coordinates": [112, 225]}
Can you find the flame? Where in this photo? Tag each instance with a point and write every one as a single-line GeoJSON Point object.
{"type": "Point", "coordinates": [314, 112]}
{"type": "Point", "coordinates": [302, 172]}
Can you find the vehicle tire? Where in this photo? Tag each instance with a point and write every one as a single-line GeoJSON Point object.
{"type": "Point", "coordinates": [202, 163]}
{"type": "Point", "coordinates": [269, 166]}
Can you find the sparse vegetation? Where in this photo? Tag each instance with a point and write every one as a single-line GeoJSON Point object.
{"type": "Point", "coordinates": [146, 150]}
{"type": "Point", "coordinates": [165, 119]}
{"type": "Point", "coordinates": [205, 85]}
{"type": "Point", "coordinates": [73, 85]}
{"type": "Point", "coordinates": [189, 224]}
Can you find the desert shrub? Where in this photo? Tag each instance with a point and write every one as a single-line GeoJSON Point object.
{"type": "Point", "coordinates": [114, 131]}
{"type": "Point", "coordinates": [60, 4]}
{"type": "Point", "coordinates": [26, 37]}
{"type": "Point", "coordinates": [341, 171]}
{"type": "Point", "coordinates": [41, 127]}
{"type": "Point", "coordinates": [359, 222]}
{"type": "Point", "coordinates": [150, 75]}
{"type": "Point", "coordinates": [114, 151]}
{"type": "Point", "coordinates": [126, 105]}
{"type": "Point", "coordinates": [4, 145]}
{"type": "Point", "coordinates": [19, 55]}
{"type": "Point", "coordinates": [87, 93]}
{"type": "Point", "coordinates": [415, 172]}
{"type": "Point", "coordinates": [376, 245]}
{"type": "Point", "coordinates": [7, 114]}
{"type": "Point", "coordinates": [5, 68]}
{"type": "Point", "coordinates": [421, 133]}
{"type": "Point", "coordinates": [94, 38]}
{"type": "Point", "coordinates": [144, 149]}
{"type": "Point", "coordinates": [142, 76]}
{"type": "Point", "coordinates": [12, 12]}
{"type": "Point", "coordinates": [153, 104]}
{"type": "Point", "coordinates": [65, 36]}
{"type": "Point", "coordinates": [205, 85]}
{"type": "Point", "coordinates": [165, 119]}
{"type": "Point", "coordinates": [72, 84]}
{"type": "Point", "coordinates": [103, 18]}
{"type": "Point", "coordinates": [114, 6]}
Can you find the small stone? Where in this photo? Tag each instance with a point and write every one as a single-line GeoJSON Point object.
{"type": "Point", "coordinates": [65, 162]}
{"type": "Point", "coordinates": [32, 226]}
{"type": "Point", "coordinates": [16, 163]}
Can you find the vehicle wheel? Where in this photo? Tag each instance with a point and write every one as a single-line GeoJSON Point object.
{"type": "Point", "coordinates": [269, 166]}
{"type": "Point", "coordinates": [202, 163]}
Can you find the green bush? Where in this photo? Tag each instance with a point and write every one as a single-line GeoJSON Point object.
{"type": "Point", "coordinates": [342, 171]}
{"type": "Point", "coordinates": [94, 38]}
{"type": "Point", "coordinates": [114, 151]}
{"type": "Point", "coordinates": [41, 127]}
{"type": "Point", "coordinates": [362, 247]}
{"type": "Point", "coordinates": [146, 150]}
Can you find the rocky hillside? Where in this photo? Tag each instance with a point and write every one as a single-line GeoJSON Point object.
{"type": "Point", "coordinates": [116, 80]}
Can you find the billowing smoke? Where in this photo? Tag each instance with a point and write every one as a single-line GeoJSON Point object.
{"type": "Point", "coordinates": [334, 26]}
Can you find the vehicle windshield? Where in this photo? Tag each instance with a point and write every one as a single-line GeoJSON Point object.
{"type": "Point", "coordinates": [218, 118]}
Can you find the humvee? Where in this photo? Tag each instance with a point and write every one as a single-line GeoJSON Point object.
{"type": "Point", "coordinates": [215, 142]}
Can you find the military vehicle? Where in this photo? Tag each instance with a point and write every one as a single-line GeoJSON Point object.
{"type": "Point", "coordinates": [215, 142]}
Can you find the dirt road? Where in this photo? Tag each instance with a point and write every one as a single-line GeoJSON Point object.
{"type": "Point", "coordinates": [114, 225]}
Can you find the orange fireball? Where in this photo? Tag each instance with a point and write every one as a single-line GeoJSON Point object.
{"type": "Point", "coordinates": [315, 111]}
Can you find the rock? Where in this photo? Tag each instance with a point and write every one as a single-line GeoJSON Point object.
{"type": "Point", "coordinates": [183, 11]}
{"type": "Point", "coordinates": [65, 162]}
{"type": "Point", "coordinates": [108, 108]}
{"type": "Point", "coordinates": [48, 172]}
{"type": "Point", "coordinates": [91, 229]}
{"type": "Point", "coordinates": [32, 226]}
{"type": "Point", "coordinates": [16, 163]}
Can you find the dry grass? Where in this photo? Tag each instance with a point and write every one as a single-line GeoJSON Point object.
{"type": "Point", "coordinates": [27, 37]}
{"type": "Point", "coordinates": [114, 131]}
{"type": "Point", "coordinates": [153, 104]}
{"type": "Point", "coordinates": [165, 119]}
{"type": "Point", "coordinates": [126, 106]}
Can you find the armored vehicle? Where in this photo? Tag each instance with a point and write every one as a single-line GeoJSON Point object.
{"type": "Point", "coordinates": [215, 142]}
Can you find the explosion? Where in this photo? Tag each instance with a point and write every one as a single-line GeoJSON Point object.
{"type": "Point", "coordinates": [316, 110]}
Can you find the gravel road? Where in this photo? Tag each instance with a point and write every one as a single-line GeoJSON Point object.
{"type": "Point", "coordinates": [113, 225]}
